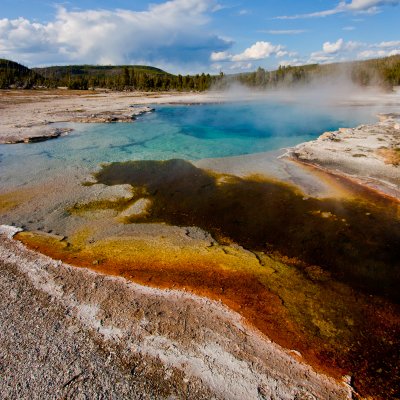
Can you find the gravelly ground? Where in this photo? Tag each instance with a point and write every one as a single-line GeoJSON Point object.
{"type": "Point", "coordinates": [45, 354]}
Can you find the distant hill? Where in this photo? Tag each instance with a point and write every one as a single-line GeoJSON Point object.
{"type": "Point", "coordinates": [13, 74]}
{"type": "Point", "coordinates": [100, 71]}
{"type": "Point", "coordinates": [122, 77]}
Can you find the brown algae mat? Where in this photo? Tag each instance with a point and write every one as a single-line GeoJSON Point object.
{"type": "Point", "coordinates": [318, 276]}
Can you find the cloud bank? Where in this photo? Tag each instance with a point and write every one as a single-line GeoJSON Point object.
{"type": "Point", "coordinates": [175, 35]}
{"type": "Point", "coordinates": [171, 34]}
{"type": "Point", "coordinates": [357, 6]}
{"type": "Point", "coordinates": [343, 51]}
{"type": "Point", "coordinates": [257, 52]}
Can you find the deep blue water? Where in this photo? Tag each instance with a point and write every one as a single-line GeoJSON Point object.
{"type": "Point", "coordinates": [188, 132]}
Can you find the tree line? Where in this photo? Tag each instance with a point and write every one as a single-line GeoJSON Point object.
{"type": "Point", "coordinates": [136, 79]}
{"type": "Point", "coordinates": [143, 78]}
{"type": "Point", "coordinates": [384, 72]}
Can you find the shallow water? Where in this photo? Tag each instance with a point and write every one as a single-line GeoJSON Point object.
{"type": "Point", "coordinates": [186, 132]}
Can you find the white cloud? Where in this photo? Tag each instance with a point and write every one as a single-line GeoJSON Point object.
{"type": "Point", "coordinates": [357, 6]}
{"type": "Point", "coordinates": [317, 14]}
{"type": "Point", "coordinates": [378, 53]}
{"type": "Point", "coordinates": [332, 48]}
{"type": "Point", "coordinates": [258, 51]}
{"type": "Point", "coordinates": [320, 57]}
{"type": "Point", "coordinates": [386, 45]}
{"type": "Point", "coordinates": [282, 53]}
{"type": "Point", "coordinates": [349, 28]}
{"type": "Point", "coordinates": [371, 54]}
{"type": "Point", "coordinates": [292, 62]}
{"type": "Point", "coordinates": [351, 46]}
{"type": "Point", "coordinates": [367, 5]}
{"type": "Point", "coordinates": [343, 51]}
{"type": "Point", "coordinates": [218, 7]}
{"type": "Point", "coordinates": [241, 66]}
{"type": "Point", "coordinates": [220, 56]}
{"type": "Point", "coordinates": [170, 33]}
{"type": "Point", "coordinates": [383, 49]}
{"type": "Point", "coordinates": [20, 35]}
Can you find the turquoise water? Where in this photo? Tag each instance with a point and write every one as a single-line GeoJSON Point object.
{"type": "Point", "coordinates": [184, 131]}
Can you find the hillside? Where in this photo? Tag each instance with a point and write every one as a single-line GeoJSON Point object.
{"type": "Point", "coordinates": [13, 74]}
{"type": "Point", "coordinates": [117, 77]}
{"type": "Point", "coordinates": [122, 77]}
{"type": "Point", "coordinates": [100, 71]}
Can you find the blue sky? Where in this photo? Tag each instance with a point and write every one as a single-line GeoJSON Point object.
{"type": "Point", "coordinates": [191, 36]}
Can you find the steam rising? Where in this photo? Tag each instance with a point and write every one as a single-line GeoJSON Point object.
{"type": "Point", "coordinates": [321, 92]}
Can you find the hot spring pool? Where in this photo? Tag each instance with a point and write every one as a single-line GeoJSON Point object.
{"type": "Point", "coordinates": [188, 132]}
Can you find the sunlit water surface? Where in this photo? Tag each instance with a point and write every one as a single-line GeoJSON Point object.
{"type": "Point", "coordinates": [179, 131]}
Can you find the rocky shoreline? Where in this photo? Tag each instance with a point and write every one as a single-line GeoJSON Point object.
{"type": "Point", "coordinates": [37, 111]}
{"type": "Point", "coordinates": [38, 134]}
{"type": "Point", "coordinates": [41, 132]}
{"type": "Point", "coordinates": [368, 154]}
{"type": "Point", "coordinates": [125, 115]}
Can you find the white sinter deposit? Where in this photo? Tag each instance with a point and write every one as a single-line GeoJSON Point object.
{"type": "Point", "coordinates": [369, 154]}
